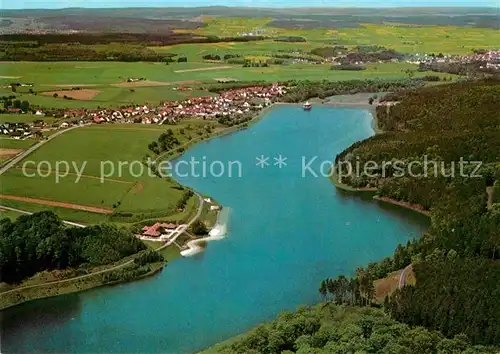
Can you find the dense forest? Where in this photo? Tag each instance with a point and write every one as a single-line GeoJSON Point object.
{"type": "Point", "coordinates": [457, 262]}
{"type": "Point", "coordinates": [328, 328]}
{"type": "Point", "coordinates": [80, 52]}
{"type": "Point", "coordinates": [127, 47]}
{"type": "Point", "coordinates": [41, 241]}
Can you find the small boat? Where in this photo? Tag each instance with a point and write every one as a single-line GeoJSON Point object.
{"type": "Point", "coordinates": [307, 106]}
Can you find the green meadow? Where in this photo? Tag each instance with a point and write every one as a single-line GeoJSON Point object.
{"type": "Point", "coordinates": [422, 39]}
{"type": "Point", "coordinates": [108, 79]}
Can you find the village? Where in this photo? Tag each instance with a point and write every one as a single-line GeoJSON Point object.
{"type": "Point", "coordinates": [487, 59]}
{"type": "Point", "coordinates": [232, 103]}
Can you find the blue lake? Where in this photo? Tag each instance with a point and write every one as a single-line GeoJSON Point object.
{"type": "Point", "coordinates": [288, 231]}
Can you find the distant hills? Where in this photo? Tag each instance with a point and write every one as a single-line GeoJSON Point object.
{"type": "Point", "coordinates": [153, 19]}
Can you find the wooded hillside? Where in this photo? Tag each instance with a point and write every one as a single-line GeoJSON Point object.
{"type": "Point", "coordinates": [457, 263]}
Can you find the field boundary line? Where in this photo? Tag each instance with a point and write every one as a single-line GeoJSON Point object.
{"type": "Point", "coordinates": [30, 213]}
{"type": "Point", "coordinates": [57, 204]}
{"type": "Point", "coordinates": [82, 176]}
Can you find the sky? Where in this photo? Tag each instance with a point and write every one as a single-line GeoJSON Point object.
{"type": "Point", "coordinates": [55, 4]}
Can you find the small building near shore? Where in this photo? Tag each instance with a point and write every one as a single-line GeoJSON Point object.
{"type": "Point", "coordinates": [154, 230]}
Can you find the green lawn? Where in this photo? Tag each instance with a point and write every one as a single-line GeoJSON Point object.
{"type": "Point", "coordinates": [88, 191]}
{"type": "Point", "coordinates": [105, 77]}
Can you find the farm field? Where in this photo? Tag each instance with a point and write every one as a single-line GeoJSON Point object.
{"type": "Point", "coordinates": [401, 37]}
{"type": "Point", "coordinates": [254, 48]}
{"type": "Point", "coordinates": [99, 84]}
{"type": "Point", "coordinates": [123, 191]}
{"type": "Point", "coordinates": [421, 39]}
{"type": "Point", "coordinates": [4, 213]}
{"type": "Point", "coordinates": [108, 79]}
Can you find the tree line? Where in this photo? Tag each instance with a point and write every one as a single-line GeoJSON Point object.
{"type": "Point", "coordinates": [300, 91]}
{"type": "Point", "coordinates": [456, 262]}
{"type": "Point", "coordinates": [328, 328]}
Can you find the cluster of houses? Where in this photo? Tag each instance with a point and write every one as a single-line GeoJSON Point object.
{"type": "Point", "coordinates": [15, 130]}
{"type": "Point", "coordinates": [488, 59]}
{"type": "Point", "coordinates": [160, 232]}
{"type": "Point", "coordinates": [229, 103]}
{"type": "Point", "coordinates": [233, 102]}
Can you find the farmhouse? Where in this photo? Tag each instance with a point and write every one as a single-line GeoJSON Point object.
{"type": "Point", "coordinates": [158, 229]}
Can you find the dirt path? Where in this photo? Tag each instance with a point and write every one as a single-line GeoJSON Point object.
{"type": "Point", "coordinates": [57, 204]}
{"type": "Point", "coordinates": [151, 83]}
{"type": "Point", "coordinates": [139, 188]}
{"type": "Point", "coordinates": [402, 276]}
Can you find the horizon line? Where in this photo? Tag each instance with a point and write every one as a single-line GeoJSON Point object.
{"type": "Point", "coordinates": [261, 7]}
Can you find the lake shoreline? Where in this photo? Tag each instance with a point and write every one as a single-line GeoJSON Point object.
{"type": "Point", "coordinates": [373, 190]}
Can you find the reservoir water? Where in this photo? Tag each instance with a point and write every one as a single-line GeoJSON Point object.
{"type": "Point", "coordinates": [288, 230]}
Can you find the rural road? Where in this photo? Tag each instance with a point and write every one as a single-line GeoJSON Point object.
{"type": "Point", "coordinates": [402, 276]}
{"type": "Point", "coordinates": [181, 230]}
{"type": "Point", "coordinates": [29, 213]}
{"type": "Point", "coordinates": [25, 153]}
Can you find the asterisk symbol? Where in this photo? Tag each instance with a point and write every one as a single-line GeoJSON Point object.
{"type": "Point", "coordinates": [280, 161]}
{"type": "Point", "coordinates": [262, 161]}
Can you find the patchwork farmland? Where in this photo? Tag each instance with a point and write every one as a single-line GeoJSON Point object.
{"type": "Point", "coordinates": [82, 195]}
